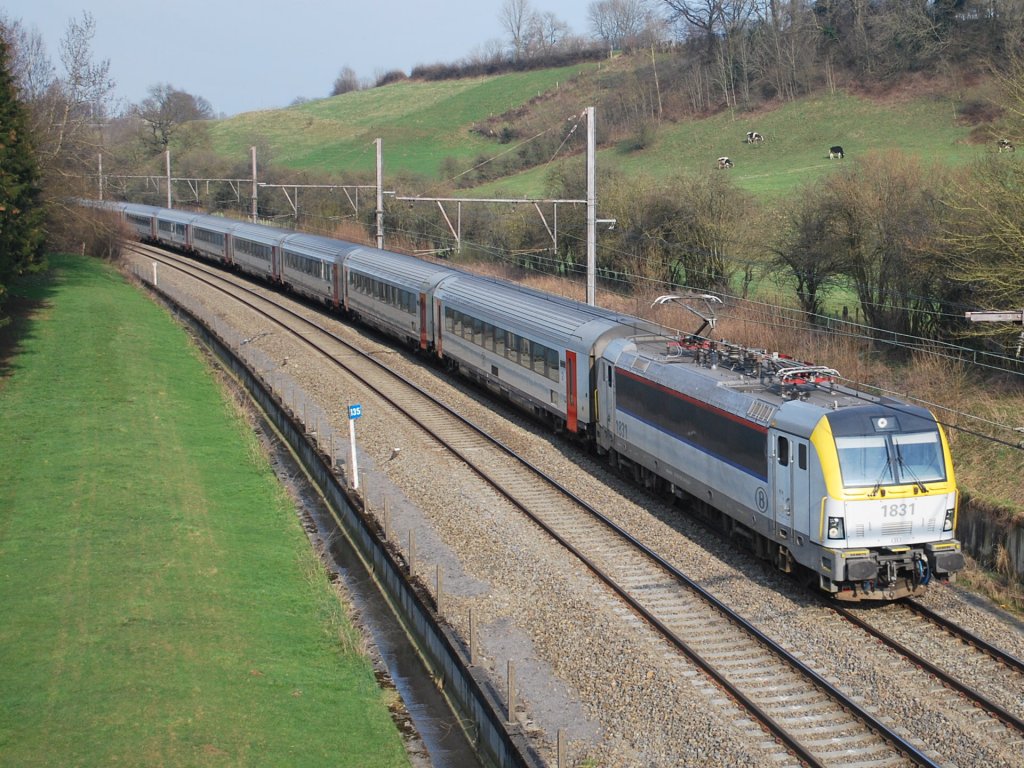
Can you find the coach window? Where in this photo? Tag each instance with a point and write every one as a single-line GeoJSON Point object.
{"type": "Point", "coordinates": [783, 451]}
{"type": "Point", "coordinates": [552, 365]}
{"type": "Point", "coordinates": [488, 337]}
{"type": "Point", "coordinates": [524, 352]}
{"type": "Point", "coordinates": [499, 342]}
{"type": "Point", "coordinates": [540, 356]}
{"type": "Point", "coordinates": [478, 332]}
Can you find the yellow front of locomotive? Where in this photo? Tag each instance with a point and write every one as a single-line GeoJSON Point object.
{"type": "Point", "coordinates": [888, 515]}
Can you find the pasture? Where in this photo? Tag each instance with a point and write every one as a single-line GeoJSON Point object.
{"type": "Point", "coordinates": [162, 605]}
{"type": "Point", "coordinates": [419, 123]}
{"type": "Point", "coordinates": [795, 149]}
{"type": "Point", "coordinates": [423, 124]}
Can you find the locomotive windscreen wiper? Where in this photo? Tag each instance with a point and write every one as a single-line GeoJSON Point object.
{"type": "Point", "coordinates": [886, 470]}
{"type": "Point", "coordinates": [909, 471]}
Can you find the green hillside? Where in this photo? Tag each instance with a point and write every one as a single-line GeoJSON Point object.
{"type": "Point", "coordinates": [420, 124]}
{"type": "Point", "coordinates": [423, 124]}
{"type": "Point", "coordinates": [797, 138]}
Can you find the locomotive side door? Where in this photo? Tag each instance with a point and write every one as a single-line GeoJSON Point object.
{"type": "Point", "coordinates": [792, 484]}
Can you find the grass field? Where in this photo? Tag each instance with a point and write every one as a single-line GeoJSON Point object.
{"type": "Point", "coordinates": [423, 123]}
{"type": "Point", "coordinates": [161, 604]}
{"type": "Point", "coordinates": [795, 151]}
{"type": "Point", "coordinates": [419, 123]}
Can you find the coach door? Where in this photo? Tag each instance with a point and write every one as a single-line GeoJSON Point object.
{"type": "Point", "coordinates": [570, 391]}
{"type": "Point", "coordinates": [438, 328]}
{"type": "Point", "coordinates": [792, 484]}
{"type": "Point", "coordinates": [423, 321]}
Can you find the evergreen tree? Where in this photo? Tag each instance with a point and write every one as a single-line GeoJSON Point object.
{"type": "Point", "coordinates": [21, 212]}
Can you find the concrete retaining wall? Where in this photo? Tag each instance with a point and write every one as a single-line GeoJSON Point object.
{"type": "Point", "coordinates": [992, 538]}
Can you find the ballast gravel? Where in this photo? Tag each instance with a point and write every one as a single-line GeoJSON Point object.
{"type": "Point", "coordinates": [583, 664]}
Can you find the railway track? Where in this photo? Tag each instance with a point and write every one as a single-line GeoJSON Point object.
{"type": "Point", "coordinates": [988, 679]}
{"type": "Point", "coordinates": [807, 715]}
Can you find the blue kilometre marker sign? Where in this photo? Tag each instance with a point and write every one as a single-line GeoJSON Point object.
{"type": "Point", "coordinates": [354, 412]}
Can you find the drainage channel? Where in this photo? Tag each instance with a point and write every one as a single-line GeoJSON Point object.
{"type": "Point", "coordinates": [434, 738]}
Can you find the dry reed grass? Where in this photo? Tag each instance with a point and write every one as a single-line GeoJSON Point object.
{"type": "Point", "coordinates": [997, 584]}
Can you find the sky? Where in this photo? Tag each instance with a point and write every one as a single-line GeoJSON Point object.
{"type": "Point", "coordinates": [263, 55]}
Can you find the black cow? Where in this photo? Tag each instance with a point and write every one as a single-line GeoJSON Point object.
{"type": "Point", "coordinates": [835, 153]}
{"type": "Point", "coordinates": [753, 137]}
{"type": "Point", "coordinates": [1005, 145]}
{"type": "Point", "coordinates": [724, 162]}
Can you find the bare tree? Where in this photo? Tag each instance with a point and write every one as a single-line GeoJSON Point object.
{"type": "Point", "coordinates": [621, 23]}
{"type": "Point", "coordinates": [785, 49]}
{"type": "Point", "coordinates": [885, 215]}
{"type": "Point", "coordinates": [167, 109]}
{"type": "Point", "coordinates": [345, 82]}
{"type": "Point", "coordinates": [723, 26]}
{"type": "Point", "coordinates": [29, 63]}
{"type": "Point", "coordinates": [67, 114]}
{"type": "Point", "coordinates": [706, 17]}
{"type": "Point", "coordinates": [545, 33]}
{"type": "Point", "coordinates": [983, 238]}
{"type": "Point", "coordinates": [815, 244]}
{"type": "Point", "coordinates": [515, 17]}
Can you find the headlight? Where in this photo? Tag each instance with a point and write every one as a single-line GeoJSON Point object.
{"type": "Point", "coordinates": [836, 528]}
{"type": "Point", "coordinates": [947, 524]}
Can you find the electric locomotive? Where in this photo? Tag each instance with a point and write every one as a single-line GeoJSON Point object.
{"type": "Point", "coordinates": [857, 492]}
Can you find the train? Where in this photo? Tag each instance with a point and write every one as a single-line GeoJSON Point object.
{"type": "Point", "coordinates": [855, 492]}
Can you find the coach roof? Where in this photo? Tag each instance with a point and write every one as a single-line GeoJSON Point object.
{"type": "Point", "coordinates": [516, 307]}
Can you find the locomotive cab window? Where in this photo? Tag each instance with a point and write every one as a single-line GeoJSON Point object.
{"type": "Point", "coordinates": [784, 451]}
{"type": "Point", "coordinates": [864, 461]}
{"type": "Point", "coordinates": [919, 457]}
{"type": "Point", "coordinates": [891, 459]}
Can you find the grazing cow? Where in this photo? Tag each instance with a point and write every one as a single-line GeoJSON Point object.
{"type": "Point", "coordinates": [835, 153]}
{"type": "Point", "coordinates": [753, 137]}
{"type": "Point", "coordinates": [1005, 145]}
{"type": "Point", "coordinates": [724, 162]}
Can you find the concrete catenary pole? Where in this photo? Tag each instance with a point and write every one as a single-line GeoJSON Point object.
{"type": "Point", "coordinates": [591, 210]}
{"type": "Point", "coordinates": [167, 157]}
{"type": "Point", "coordinates": [254, 185]}
{"type": "Point", "coordinates": [380, 194]}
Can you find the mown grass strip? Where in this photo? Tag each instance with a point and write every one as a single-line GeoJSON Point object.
{"type": "Point", "coordinates": [161, 605]}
